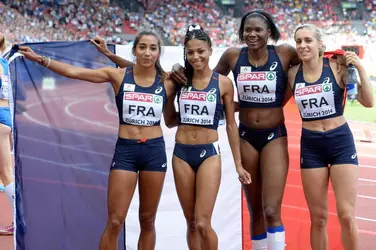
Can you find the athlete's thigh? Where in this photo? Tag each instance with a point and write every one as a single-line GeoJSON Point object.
{"type": "Point", "coordinates": [315, 186]}
{"type": "Point", "coordinates": [274, 164]}
{"type": "Point", "coordinates": [185, 183]}
{"type": "Point", "coordinates": [121, 186]}
{"type": "Point", "coordinates": [150, 185]}
{"type": "Point", "coordinates": [345, 186]}
{"type": "Point", "coordinates": [250, 161]}
{"type": "Point", "coordinates": [5, 152]}
{"type": "Point", "coordinates": [208, 180]}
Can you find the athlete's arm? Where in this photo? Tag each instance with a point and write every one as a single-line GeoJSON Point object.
{"type": "Point", "coordinates": [101, 46]}
{"type": "Point", "coordinates": [177, 74]}
{"type": "Point", "coordinates": [223, 66]}
{"type": "Point", "coordinates": [290, 83]}
{"type": "Point", "coordinates": [100, 75]}
{"type": "Point", "coordinates": [288, 52]}
{"type": "Point", "coordinates": [287, 95]}
{"type": "Point", "coordinates": [227, 90]}
{"type": "Point", "coordinates": [365, 92]}
{"type": "Point", "coordinates": [170, 115]}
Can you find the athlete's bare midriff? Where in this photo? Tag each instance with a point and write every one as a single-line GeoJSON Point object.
{"type": "Point", "coordinates": [194, 135]}
{"type": "Point", "coordinates": [139, 132]}
{"type": "Point", "coordinates": [325, 124]}
{"type": "Point", "coordinates": [261, 118]}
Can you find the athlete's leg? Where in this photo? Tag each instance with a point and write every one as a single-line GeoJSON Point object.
{"type": "Point", "coordinates": [121, 186]}
{"type": "Point", "coordinates": [6, 170]}
{"type": "Point", "coordinates": [315, 187]}
{"type": "Point", "coordinates": [150, 188]}
{"type": "Point", "coordinates": [185, 183]}
{"type": "Point", "coordinates": [253, 193]}
{"type": "Point", "coordinates": [208, 179]}
{"type": "Point", "coordinates": [344, 180]}
{"type": "Point", "coordinates": [274, 164]}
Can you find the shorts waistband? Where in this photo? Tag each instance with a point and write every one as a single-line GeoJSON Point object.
{"type": "Point", "coordinates": [282, 125]}
{"type": "Point", "coordinates": [5, 108]}
{"type": "Point", "coordinates": [196, 145]}
{"type": "Point", "coordinates": [124, 141]}
{"type": "Point", "coordinates": [308, 131]}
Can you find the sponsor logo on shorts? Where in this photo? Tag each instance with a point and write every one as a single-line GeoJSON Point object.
{"type": "Point", "coordinates": [353, 156]}
{"type": "Point", "coordinates": [113, 164]}
{"type": "Point", "coordinates": [271, 136]}
{"type": "Point", "coordinates": [164, 165]}
{"type": "Point", "coordinates": [203, 153]}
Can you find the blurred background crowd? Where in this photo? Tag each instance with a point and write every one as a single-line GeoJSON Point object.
{"type": "Point", "coordinates": [351, 21]}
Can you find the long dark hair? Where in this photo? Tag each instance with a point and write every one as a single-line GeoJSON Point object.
{"type": "Point", "coordinates": [193, 32]}
{"type": "Point", "coordinates": [158, 67]}
{"type": "Point", "coordinates": [266, 18]}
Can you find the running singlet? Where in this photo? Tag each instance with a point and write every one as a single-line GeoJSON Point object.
{"type": "Point", "coordinates": [322, 99]}
{"type": "Point", "coordinates": [138, 105]}
{"type": "Point", "coordinates": [4, 79]}
{"type": "Point", "coordinates": [201, 107]}
{"type": "Point", "coordinates": [260, 87]}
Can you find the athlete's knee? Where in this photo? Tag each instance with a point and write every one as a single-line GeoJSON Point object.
{"type": "Point", "coordinates": [203, 224]}
{"type": "Point", "coordinates": [319, 218]}
{"type": "Point", "coordinates": [346, 218]}
{"type": "Point", "coordinates": [115, 224]}
{"type": "Point", "coordinates": [191, 225]}
{"type": "Point", "coordinates": [257, 217]}
{"type": "Point", "coordinates": [147, 221]}
{"type": "Point", "coordinates": [272, 214]}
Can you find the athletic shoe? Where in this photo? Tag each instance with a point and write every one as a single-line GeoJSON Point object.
{"type": "Point", "coordinates": [9, 230]}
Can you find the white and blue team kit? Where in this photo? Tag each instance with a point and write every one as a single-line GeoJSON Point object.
{"type": "Point", "coordinates": [199, 108]}
{"type": "Point", "coordinates": [260, 87]}
{"type": "Point", "coordinates": [140, 106]}
{"type": "Point", "coordinates": [322, 100]}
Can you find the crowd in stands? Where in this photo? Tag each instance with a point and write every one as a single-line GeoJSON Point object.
{"type": "Point", "coordinates": [30, 20]}
{"type": "Point", "coordinates": [47, 20]}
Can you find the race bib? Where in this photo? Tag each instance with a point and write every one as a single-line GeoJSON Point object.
{"type": "Point", "coordinates": [4, 86]}
{"type": "Point", "coordinates": [316, 100]}
{"type": "Point", "coordinates": [142, 109]}
{"type": "Point", "coordinates": [257, 87]}
{"type": "Point", "coordinates": [198, 107]}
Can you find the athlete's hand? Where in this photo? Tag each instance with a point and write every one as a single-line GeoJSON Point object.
{"type": "Point", "coordinates": [177, 74]}
{"type": "Point", "coordinates": [28, 53]}
{"type": "Point", "coordinates": [100, 44]}
{"type": "Point", "coordinates": [352, 58]}
{"type": "Point", "coordinates": [244, 176]}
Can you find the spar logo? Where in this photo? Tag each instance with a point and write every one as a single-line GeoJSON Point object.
{"type": "Point", "coordinates": [194, 96]}
{"type": "Point", "coordinates": [158, 99]}
{"type": "Point", "coordinates": [257, 76]}
{"type": "Point", "coordinates": [327, 87]}
{"type": "Point", "coordinates": [252, 76]}
{"type": "Point", "coordinates": [309, 90]}
{"type": "Point", "coordinates": [211, 97]}
{"type": "Point", "coordinates": [270, 76]}
{"type": "Point", "coordinates": [138, 97]}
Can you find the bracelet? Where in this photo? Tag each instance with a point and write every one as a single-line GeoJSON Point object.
{"type": "Point", "coordinates": [49, 62]}
{"type": "Point", "coordinates": [42, 62]}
